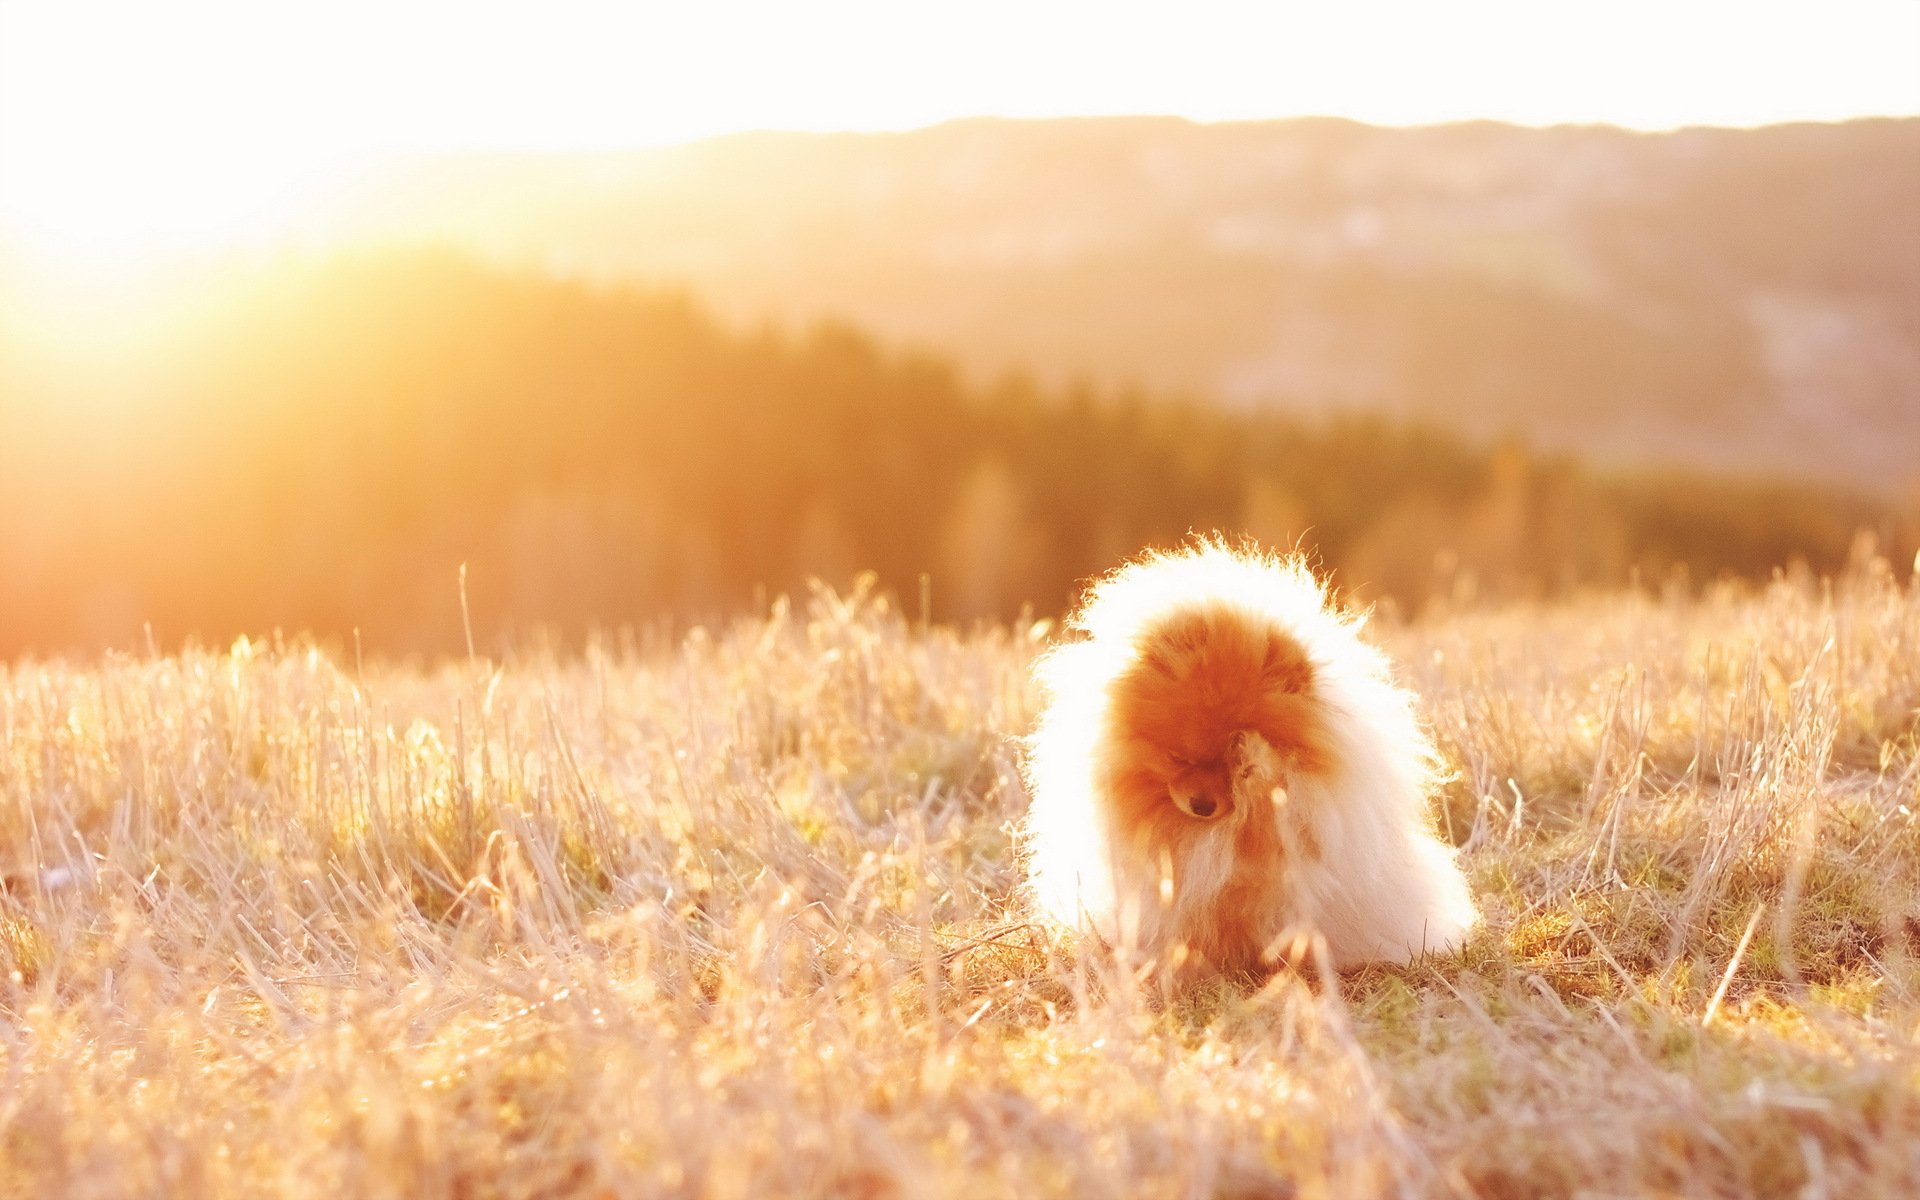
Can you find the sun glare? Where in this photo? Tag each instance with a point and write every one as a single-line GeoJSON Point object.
{"type": "Point", "coordinates": [95, 238]}
{"type": "Point", "coordinates": [101, 215]}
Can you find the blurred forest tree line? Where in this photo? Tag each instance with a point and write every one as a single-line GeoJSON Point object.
{"type": "Point", "coordinates": [321, 446]}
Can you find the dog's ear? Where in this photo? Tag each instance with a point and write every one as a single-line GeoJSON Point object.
{"type": "Point", "coordinates": [1286, 667]}
{"type": "Point", "coordinates": [1158, 656]}
{"type": "Point", "coordinates": [1174, 642]}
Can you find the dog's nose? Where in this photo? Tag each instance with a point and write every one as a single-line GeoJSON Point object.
{"type": "Point", "coordinates": [1202, 806]}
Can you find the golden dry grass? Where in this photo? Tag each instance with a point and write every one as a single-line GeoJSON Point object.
{"type": "Point", "coordinates": [738, 918]}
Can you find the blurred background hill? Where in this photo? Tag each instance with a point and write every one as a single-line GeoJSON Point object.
{"type": "Point", "coordinates": [321, 443]}
{"type": "Point", "coordinates": [1746, 299]}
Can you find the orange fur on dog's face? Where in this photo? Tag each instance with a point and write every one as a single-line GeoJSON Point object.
{"type": "Point", "coordinates": [1204, 677]}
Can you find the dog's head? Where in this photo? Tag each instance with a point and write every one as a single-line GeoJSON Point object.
{"type": "Point", "coordinates": [1217, 710]}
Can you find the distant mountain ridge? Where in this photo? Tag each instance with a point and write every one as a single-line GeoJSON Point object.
{"type": "Point", "coordinates": [1744, 299]}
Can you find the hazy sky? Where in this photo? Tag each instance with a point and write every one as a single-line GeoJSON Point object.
{"type": "Point", "coordinates": [124, 123]}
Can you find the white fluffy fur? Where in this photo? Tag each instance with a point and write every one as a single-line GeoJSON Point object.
{"type": "Point", "coordinates": [1383, 886]}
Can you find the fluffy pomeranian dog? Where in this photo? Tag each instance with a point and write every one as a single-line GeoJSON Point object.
{"type": "Point", "coordinates": [1223, 766]}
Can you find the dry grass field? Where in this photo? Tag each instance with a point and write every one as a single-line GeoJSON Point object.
{"type": "Point", "coordinates": [738, 915]}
